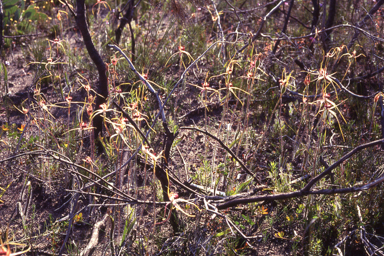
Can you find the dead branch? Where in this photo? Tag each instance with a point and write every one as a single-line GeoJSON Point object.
{"type": "Point", "coordinates": [306, 190]}
{"type": "Point", "coordinates": [341, 160]}
{"type": "Point", "coordinates": [149, 86]}
{"type": "Point", "coordinates": [375, 8]}
{"type": "Point", "coordinates": [71, 216]}
{"type": "Point", "coordinates": [366, 33]}
{"type": "Point", "coordinates": [88, 251]}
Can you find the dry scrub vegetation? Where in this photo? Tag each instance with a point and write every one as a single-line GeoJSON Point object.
{"type": "Point", "coordinates": [192, 127]}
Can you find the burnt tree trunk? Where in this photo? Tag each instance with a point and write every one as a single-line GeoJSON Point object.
{"type": "Point", "coordinates": [315, 15]}
{"type": "Point", "coordinates": [124, 21]}
{"type": "Point", "coordinates": [328, 24]}
{"type": "Point", "coordinates": [102, 88]}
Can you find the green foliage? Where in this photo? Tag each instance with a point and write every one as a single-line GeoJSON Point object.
{"type": "Point", "coordinates": [11, 11]}
{"type": "Point", "coordinates": [17, 13]}
{"type": "Point", "coordinates": [129, 223]}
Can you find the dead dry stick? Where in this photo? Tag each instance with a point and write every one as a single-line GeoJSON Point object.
{"type": "Point", "coordinates": [210, 190]}
{"type": "Point", "coordinates": [61, 158]}
{"type": "Point", "coordinates": [352, 93]}
{"type": "Point", "coordinates": [93, 242]}
{"type": "Point", "coordinates": [127, 202]}
{"type": "Point", "coordinates": [366, 33]}
{"type": "Point", "coordinates": [234, 10]}
{"type": "Point", "coordinates": [20, 36]}
{"type": "Point", "coordinates": [221, 34]}
{"type": "Point", "coordinates": [36, 152]}
{"type": "Point", "coordinates": [367, 76]}
{"type": "Point", "coordinates": [229, 223]}
{"type": "Point", "coordinates": [341, 160]}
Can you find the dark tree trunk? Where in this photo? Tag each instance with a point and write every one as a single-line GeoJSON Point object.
{"type": "Point", "coordinates": [329, 23]}
{"type": "Point", "coordinates": [102, 88]}
{"type": "Point", "coordinates": [331, 14]}
{"type": "Point", "coordinates": [315, 15]}
{"type": "Point", "coordinates": [124, 21]}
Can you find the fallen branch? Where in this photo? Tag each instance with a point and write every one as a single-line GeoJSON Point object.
{"type": "Point", "coordinates": [306, 190]}
{"type": "Point", "coordinates": [93, 242]}
{"type": "Point", "coordinates": [341, 160]}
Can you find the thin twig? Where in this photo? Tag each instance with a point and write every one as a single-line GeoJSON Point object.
{"type": "Point", "coordinates": [341, 160]}
{"type": "Point", "coordinates": [130, 202]}
{"type": "Point", "coordinates": [323, 30]}
{"type": "Point", "coordinates": [226, 148]}
{"type": "Point", "coordinates": [69, 8]}
{"type": "Point", "coordinates": [19, 36]}
{"type": "Point", "coordinates": [234, 10]}
{"type": "Point", "coordinates": [221, 30]}
{"type": "Point", "coordinates": [261, 25]}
